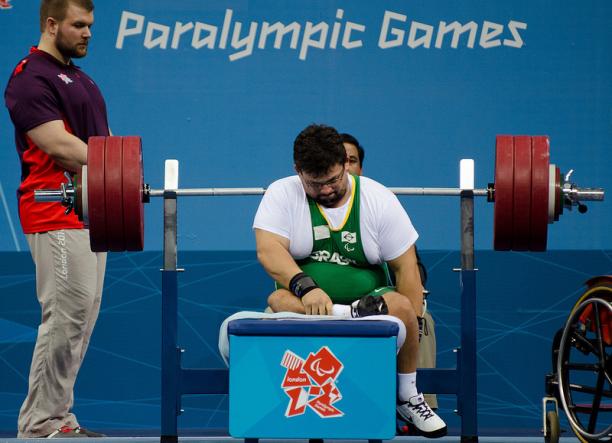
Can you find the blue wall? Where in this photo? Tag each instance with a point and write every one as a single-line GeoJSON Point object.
{"type": "Point", "coordinates": [417, 110]}
{"type": "Point", "coordinates": [232, 123]}
{"type": "Point", "coordinates": [523, 299]}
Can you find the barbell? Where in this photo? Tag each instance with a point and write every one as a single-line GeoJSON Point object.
{"type": "Point", "coordinates": [528, 192]}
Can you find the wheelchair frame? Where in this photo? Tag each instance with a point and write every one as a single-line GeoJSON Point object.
{"type": "Point", "coordinates": [575, 335]}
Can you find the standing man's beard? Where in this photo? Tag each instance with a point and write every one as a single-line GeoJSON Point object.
{"type": "Point", "coordinates": [78, 50]}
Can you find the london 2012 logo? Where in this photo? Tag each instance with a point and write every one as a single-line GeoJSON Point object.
{"type": "Point", "coordinates": [311, 383]}
{"type": "Point", "coordinates": [5, 4]}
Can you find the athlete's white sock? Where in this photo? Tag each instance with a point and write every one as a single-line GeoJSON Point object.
{"type": "Point", "coordinates": [341, 310]}
{"type": "Point", "coordinates": [407, 386]}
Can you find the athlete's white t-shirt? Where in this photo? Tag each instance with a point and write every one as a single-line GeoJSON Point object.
{"type": "Point", "coordinates": [386, 229]}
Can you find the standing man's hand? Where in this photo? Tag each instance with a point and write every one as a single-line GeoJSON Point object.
{"type": "Point", "coordinates": [317, 302]}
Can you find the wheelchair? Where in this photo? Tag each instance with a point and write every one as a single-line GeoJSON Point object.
{"type": "Point", "coordinates": [581, 380]}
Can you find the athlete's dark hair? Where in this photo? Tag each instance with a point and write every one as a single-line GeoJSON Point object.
{"type": "Point", "coordinates": [57, 9]}
{"type": "Point", "coordinates": [317, 149]}
{"type": "Point", "coordinates": [348, 138]}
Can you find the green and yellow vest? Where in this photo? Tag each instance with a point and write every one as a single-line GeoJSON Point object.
{"type": "Point", "coordinates": [337, 262]}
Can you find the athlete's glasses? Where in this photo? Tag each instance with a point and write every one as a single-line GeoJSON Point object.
{"type": "Point", "coordinates": [331, 182]}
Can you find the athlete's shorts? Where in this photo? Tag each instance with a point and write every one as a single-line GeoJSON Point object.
{"type": "Point", "coordinates": [344, 283]}
{"type": "Point", "coordinates": [381, 291]}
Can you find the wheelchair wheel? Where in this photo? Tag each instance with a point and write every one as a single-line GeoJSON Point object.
{"type": "Point", "coordinates": [553, 428]}
{"type": "Point", "coordinates": [584, 366]}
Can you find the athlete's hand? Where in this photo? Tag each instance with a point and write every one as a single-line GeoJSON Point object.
{"type": "Point", "coordinates": [317, 302]}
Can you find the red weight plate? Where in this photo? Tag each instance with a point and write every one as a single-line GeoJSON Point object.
{"type": "Point", "coordinates": [540, 158]}
{"type": "Point", "coordinates": [113, 188]}
{"type": "Point", "coordinates": [95, 194]}
{"type": "Point", "coordinates": [521, 225]}
{"type": "Point", "coordinates": [78, 195]}
{"type": "Point", "coordinates": [133, 185]}
{"type": "Point", "coordinates": [504, 190]}
{"type": "Point", "coordinates": [558, 194]}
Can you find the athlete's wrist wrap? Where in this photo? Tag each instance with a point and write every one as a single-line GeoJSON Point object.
{"type": "Point", "coordinates": [301, 284]}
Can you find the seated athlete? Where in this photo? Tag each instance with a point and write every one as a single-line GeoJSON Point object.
{"type": "Point", "coordinates": [427, 344]}
{"type": "Point", "coordinates": [323, 235]}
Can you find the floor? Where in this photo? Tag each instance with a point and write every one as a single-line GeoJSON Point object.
{"type": "Point", "coordinates": [229, 439]}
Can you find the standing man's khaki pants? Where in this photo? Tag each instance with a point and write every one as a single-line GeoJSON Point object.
{"type": "Point", "coordinates": [69, 279]}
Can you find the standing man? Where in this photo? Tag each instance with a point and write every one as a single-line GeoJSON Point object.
{"type": "Point", "coordinates": [55, 108]}
{"type": "Point", "coordinates": [323, 236]}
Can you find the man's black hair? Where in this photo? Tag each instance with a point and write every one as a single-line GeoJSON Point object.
{"type": "Point", "coordinates": [317, 149]}
{"type": "Point", "coordinates": [348, 138]}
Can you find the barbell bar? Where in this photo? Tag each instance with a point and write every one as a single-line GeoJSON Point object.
{"type": "Point", "coordinates": [528, 192]}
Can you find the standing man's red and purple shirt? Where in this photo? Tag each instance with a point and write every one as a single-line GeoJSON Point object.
{"type": "Point", "coordinates": [42, 89]}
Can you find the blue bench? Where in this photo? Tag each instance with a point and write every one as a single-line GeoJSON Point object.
{"type": "Point", "coordinates": [312, 379]}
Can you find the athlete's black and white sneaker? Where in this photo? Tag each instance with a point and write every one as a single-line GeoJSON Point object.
{"type": "Point", "coordinates": [369, 305]}
{"type": "Point", "coordinates": [418, 413]}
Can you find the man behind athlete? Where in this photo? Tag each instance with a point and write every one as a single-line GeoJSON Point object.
{"type": "Point", "coordinates": [323, 236]}
{"type": "Point", "coordinates": [427, 340]}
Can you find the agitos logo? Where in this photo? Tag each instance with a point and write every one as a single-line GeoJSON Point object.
{"type": "Point", "coordinates": [312, 383]}
{"type": "Point", "coordinates": [5, 4]}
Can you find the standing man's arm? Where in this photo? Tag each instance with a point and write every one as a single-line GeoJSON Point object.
{"type": "Point", "coordinates": [408, 280]}
{"type": "Point", "coordinates": [67, 150]}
